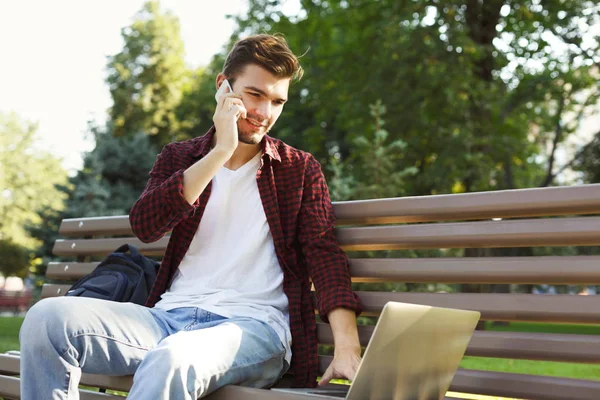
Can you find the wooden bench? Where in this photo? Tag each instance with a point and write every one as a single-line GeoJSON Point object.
{"type": "Point", "coordinates": [519, 218]}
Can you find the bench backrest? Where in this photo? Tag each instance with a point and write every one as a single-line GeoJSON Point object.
{"type": "Point", "coordinates": [556, 217]}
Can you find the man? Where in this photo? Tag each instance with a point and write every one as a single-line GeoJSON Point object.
{"type": "Point", "coordinates": [251, 221]}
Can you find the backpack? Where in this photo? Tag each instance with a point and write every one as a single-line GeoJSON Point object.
{"type": "Point", "coordinates": [124, 276]}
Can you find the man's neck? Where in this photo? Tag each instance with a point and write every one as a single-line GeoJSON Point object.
{"type": "Point", "coordinates": [242, 154]}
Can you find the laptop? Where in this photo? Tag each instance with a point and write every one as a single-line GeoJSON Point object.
{"type": "Point", "coordinates": [413, 354]}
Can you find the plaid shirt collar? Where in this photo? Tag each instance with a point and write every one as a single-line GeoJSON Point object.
{"type": "Point", "coordinates": [203, 144]}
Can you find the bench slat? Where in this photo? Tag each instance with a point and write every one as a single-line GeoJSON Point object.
{"type": "Point", "coordinates": [581, 231]}
{"type": "Point", "coordinates": [555, 201]}
{"type": "Point", "coordinates": [123, 383]}
{"type": "Point", "coordinates": [69, 270]}
{"type": "Point", "coordinates": [96, 226]}
{"type": "Point", "coordinates": [10, 388]}
{"type": "Point", "coordinates": [534, 387]}
{"type": "Point", "coordinates": [572, 200]}
{"type": "Point", "coordinates": [498, 307]}
{"type": "Point", "coordinates": [518, 270]}
{"type": "Point", "coordinates": [103, 247]}
{"type": "Point", "coordinates": [468, 381]}
{"type": "Point", "coordinates": [514, 345]}
{"type": "Point", "coordinates": [493, 306]}
{"type": "Point", "coordinates": [9, 364]}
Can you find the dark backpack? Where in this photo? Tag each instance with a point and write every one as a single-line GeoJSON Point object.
{"type": "Point", "coordinates": [124, 276]}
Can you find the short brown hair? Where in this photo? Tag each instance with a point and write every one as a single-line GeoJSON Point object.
{"type": "Point", "coordinates": [270, 52]}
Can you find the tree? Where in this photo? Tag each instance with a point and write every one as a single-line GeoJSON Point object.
{"type": "Point", "coordinates": [113, 176]}
{"type": "Point", "coordinates": [147, 79]}
{"type": "Point", "coordinates": [370, 170]}
{"type": "Point", "coordinates": [28, 175]}
{"type": "Point", "coordinates": [14, 259]}
{"type": "Point", "coordinates": [473, 88]}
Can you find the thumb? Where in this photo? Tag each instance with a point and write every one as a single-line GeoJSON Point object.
{"type": "Point", "coordinates": [326, 377]}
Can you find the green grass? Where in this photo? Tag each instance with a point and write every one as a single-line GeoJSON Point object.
{"type": "Point", "coordinates": [548, 368]}
{"type": "Point", "coordinates": [9, 333]}
{"type": "Point", "coordinates": [545, 328]}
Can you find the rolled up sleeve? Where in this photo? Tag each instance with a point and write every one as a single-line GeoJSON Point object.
{"type": "Point", "coordinates": [162, 204]}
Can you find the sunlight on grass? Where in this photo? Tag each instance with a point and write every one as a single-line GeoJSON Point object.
{"type": "Point", "coordinates": [468, 396]}
{"type": "Point", "coordinates": [9, 333]}
{"type": "Point", "coordinates": [546, 368]}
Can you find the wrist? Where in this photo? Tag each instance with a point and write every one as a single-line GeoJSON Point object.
{"type": "Point", "coordinates": [222, 152]}
{"type": "Point", "coordinates": [347, 348]}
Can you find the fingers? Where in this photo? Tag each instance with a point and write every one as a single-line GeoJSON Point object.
{"type": "Point", "coordinates": [327, 376]}
{"type": "Point", "coordinates": [238, 111]}
{"type": "Point", "coordinates": [235, 106]}
{"type": "Point", "coordinates": [225, 97]}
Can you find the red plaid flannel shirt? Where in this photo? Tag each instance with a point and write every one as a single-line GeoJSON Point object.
{"type": "Point", "coordinates": [299, 213]}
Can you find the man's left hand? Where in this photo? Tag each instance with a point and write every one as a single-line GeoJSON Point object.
{"type": "Point", "coordinates": [344, 366]}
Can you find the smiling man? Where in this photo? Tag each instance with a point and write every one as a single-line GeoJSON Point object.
{"type": "Point", "coordinates": [252, 226]}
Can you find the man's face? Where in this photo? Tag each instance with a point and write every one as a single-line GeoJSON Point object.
{"type": "Point", "coordinates": [263, 95]}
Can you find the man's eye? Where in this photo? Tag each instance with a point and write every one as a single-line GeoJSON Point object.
{"type": "Point", "coordinates": [254, 95]}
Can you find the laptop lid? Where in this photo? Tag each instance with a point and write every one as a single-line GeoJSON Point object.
{"type": "Point", "coordinates": [413, 353]}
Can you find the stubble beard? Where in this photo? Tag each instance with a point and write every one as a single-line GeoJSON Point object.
{"type": "Point", "coordinates": [249, 137]}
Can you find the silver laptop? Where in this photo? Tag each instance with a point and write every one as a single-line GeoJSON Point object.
{"type": "Point", "coordinates": [413, 354]}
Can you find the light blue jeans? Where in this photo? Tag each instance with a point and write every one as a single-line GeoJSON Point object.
{"type": "Point", "coordinates": [184, 353]}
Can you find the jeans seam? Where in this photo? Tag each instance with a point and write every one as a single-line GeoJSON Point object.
{"type": "Point", "coordinates": [194, 321]}
{"type": "Point", "coordinates": [76, 335]}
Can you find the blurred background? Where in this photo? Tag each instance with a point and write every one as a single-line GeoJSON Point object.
{"type": "Point", "coordinates": [399, 98]}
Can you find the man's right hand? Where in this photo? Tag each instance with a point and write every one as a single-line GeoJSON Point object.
{"type": "Point", "coordinates": [229, 109]}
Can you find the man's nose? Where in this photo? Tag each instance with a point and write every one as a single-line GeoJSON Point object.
{"type": "Point", "coordinates": [264, 110]}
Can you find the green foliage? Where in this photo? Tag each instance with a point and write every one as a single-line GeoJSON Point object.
{"type": "Point", "coordinates": [148, 77]}
{"type": "Point", "coordinates": [472, 88]}
{"type": "Point", "coordinates": [374, 166]}
{"type": "Point", "coordinates": [28, 175]}
{"type": "Point", "coordinates": [113, 177]}
{"type": "Point", "coordinates": [14, 259]}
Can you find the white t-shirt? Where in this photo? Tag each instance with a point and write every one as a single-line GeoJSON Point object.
{"type": "Point", "coordinates": [231, 268]}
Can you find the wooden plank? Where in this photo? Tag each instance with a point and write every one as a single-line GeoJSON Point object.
{"type": "Point", "coordinates": [572, 200]}
{"type": "Point", "coordinates": [581, 231]}
{"type": "Point", "coordinates": [533, 387]}
{"type": "Point", "coordinates": [10, 389]}
{"type": "Point", "coordinates": [536, 346]}
{"type": "Point", "coordinates": [513, 345]}
{"type": "Point", "coordinates": [10, 386]}
{"type": "Point", "coordinates": [495, 307]}
{"type": "Point", "coordinates": [518, 270]}
{"type": "Point", "coordinates": [53, 290]}
{"type": "Point", "coordinates": [554, 201]}
{"type": "Point", "coordinates": [96, 226]}
{"type": "Point", "coordinates": [498, 307]}
{"type": "Point", "coordinates": [69, 270]}
{"type": "Point", "coordinates": [9, 364]}
{"type": "Point", "coordinates": [103, 247]}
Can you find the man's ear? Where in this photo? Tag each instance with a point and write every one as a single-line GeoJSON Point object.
{"type": "Point", "coordinates": [220, 78]}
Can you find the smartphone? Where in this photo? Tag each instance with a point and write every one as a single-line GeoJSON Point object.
{"type": "Point", "coordinates": [223, 89]}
